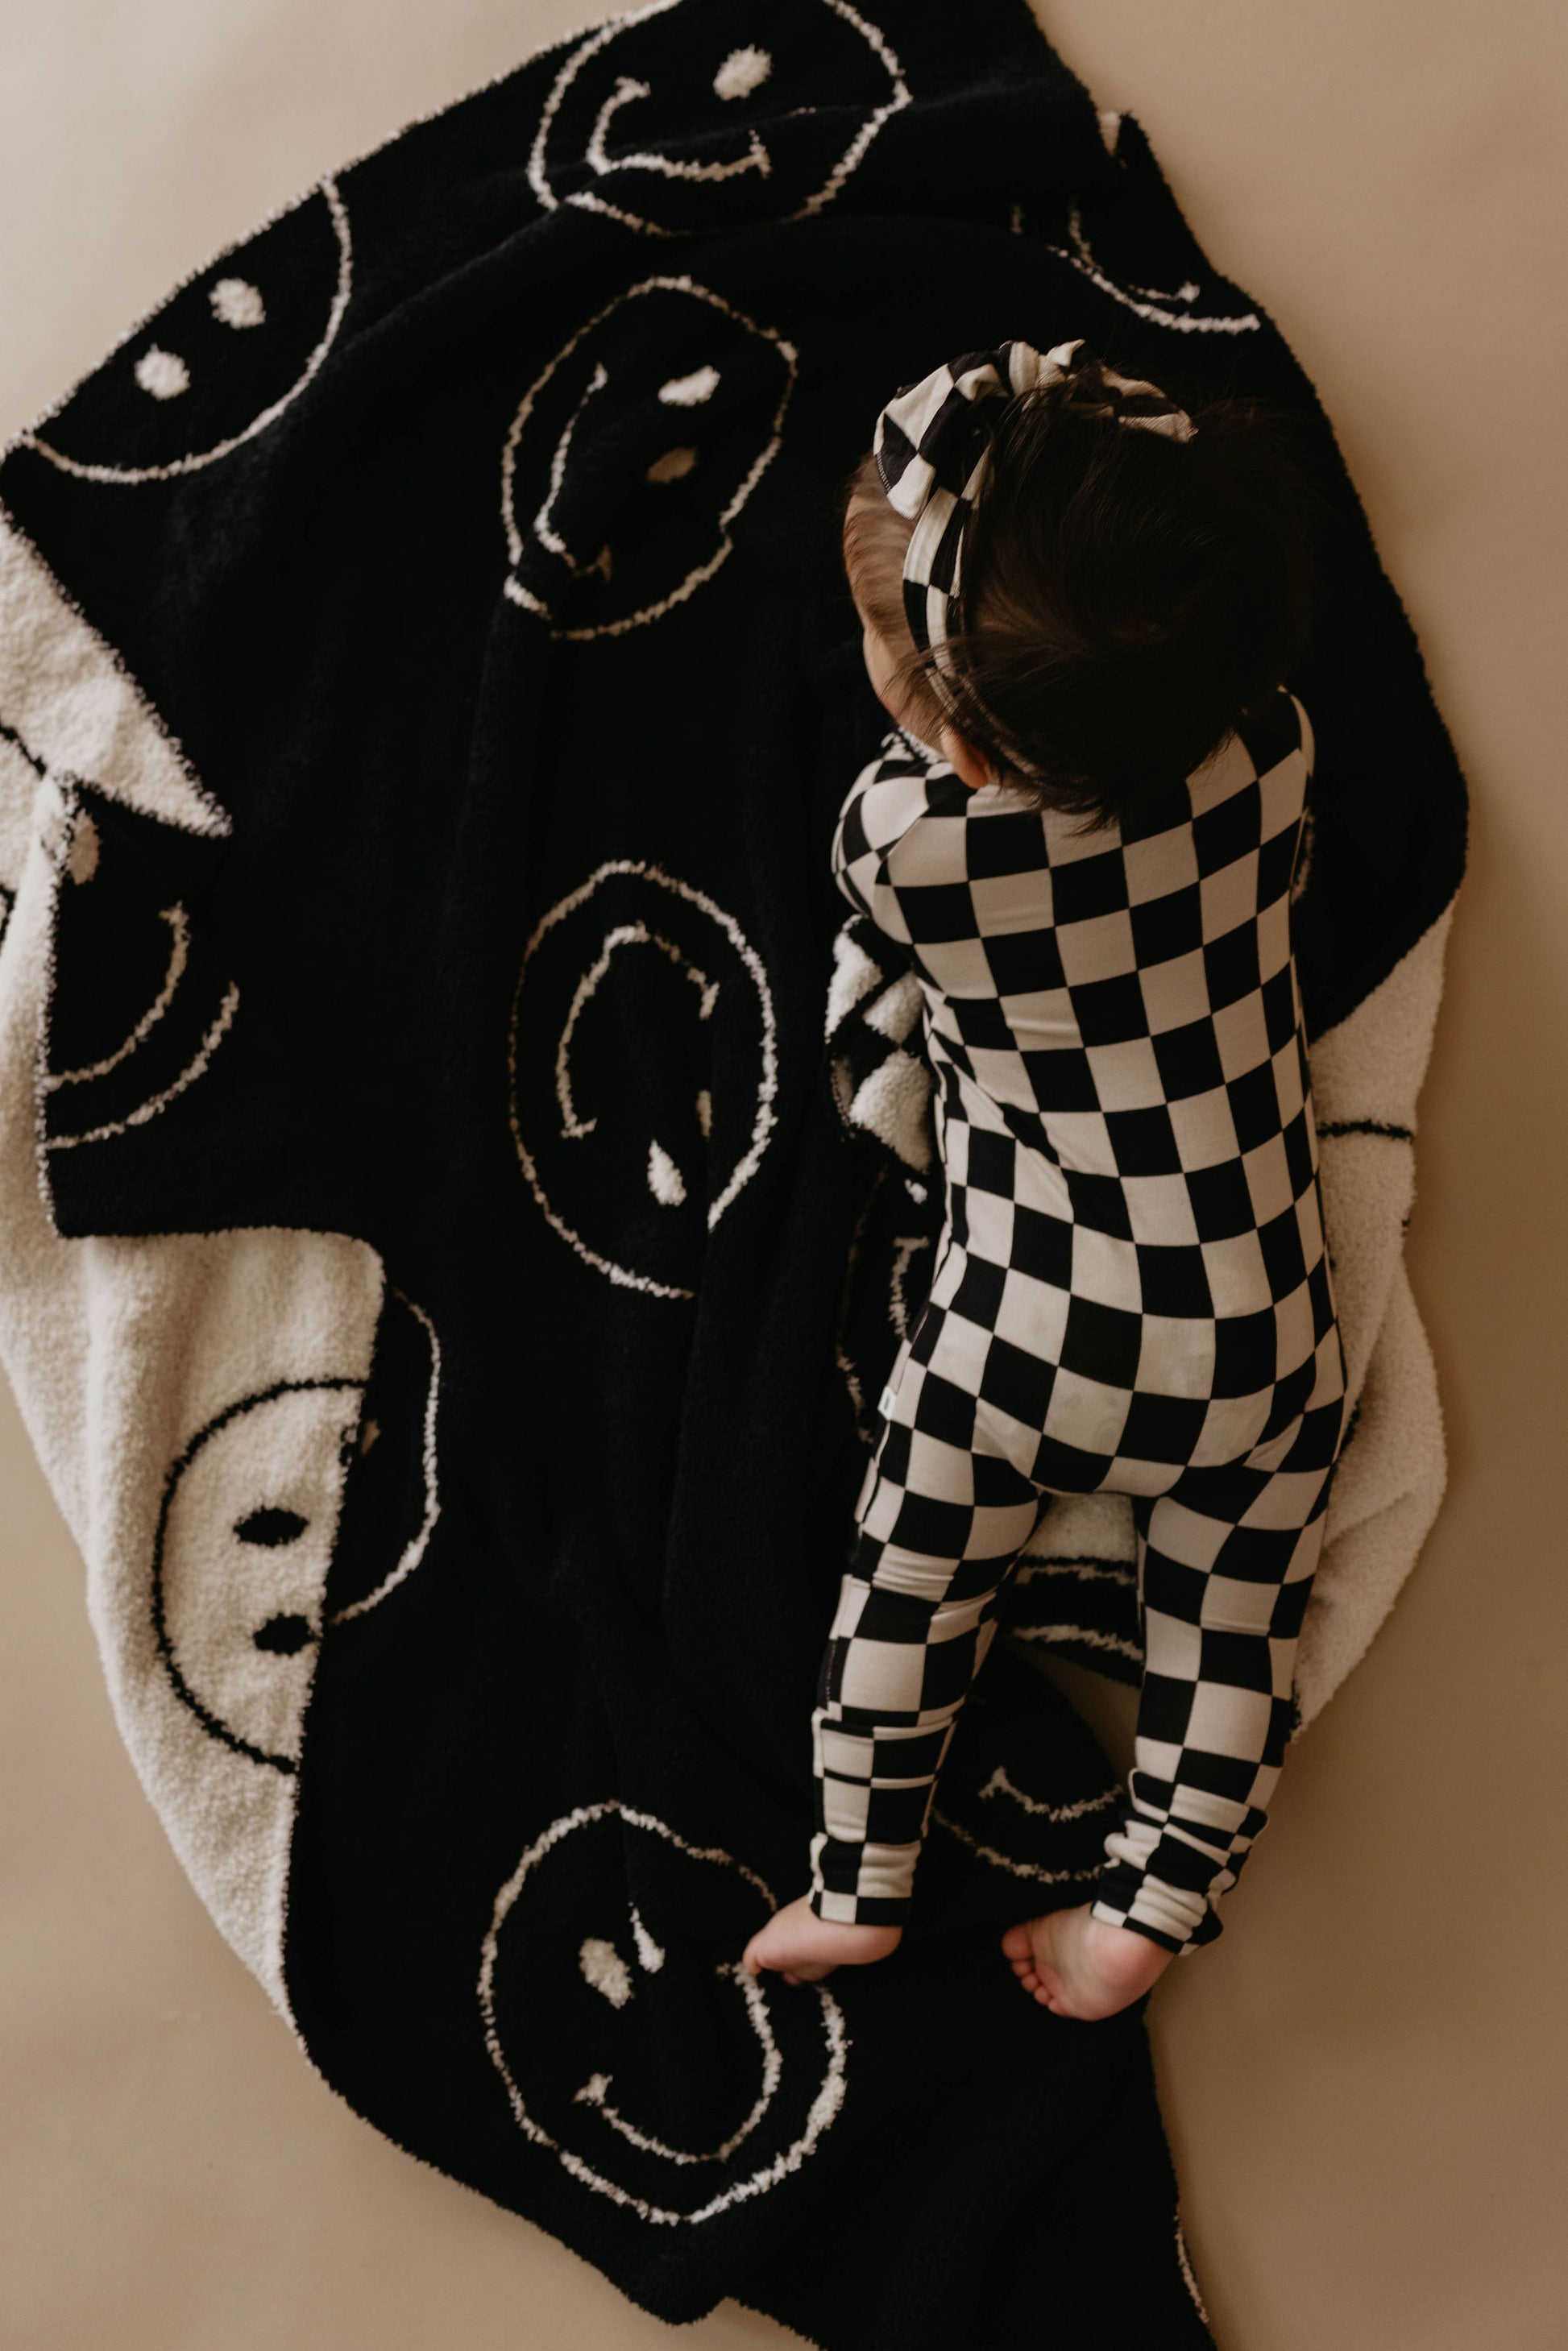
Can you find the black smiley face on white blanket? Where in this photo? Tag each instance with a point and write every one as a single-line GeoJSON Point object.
{"type": "Point", "coordinates": [250, 1527]}
{"type": "Point", "coordinates": [588, 1999]}
{"type": "Point", "coordinates": [244, 1540]}
{"type": "Point", "coordinates": [738, 113]}
{"type": "Point", "coordinates": [225, 356]}
{"type": "Point", "coordinates": [634, 453]}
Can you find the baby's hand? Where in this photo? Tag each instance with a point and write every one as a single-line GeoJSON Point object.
{"type": "Point", "coordinates": [1078, 1966]}
{"type": "Point", "coordinates": [804, 1948]}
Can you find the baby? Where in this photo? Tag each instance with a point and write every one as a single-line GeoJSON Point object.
{"type": "Point", "coordinates": [1080, 603]}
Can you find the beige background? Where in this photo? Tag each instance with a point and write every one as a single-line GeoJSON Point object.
{"type": "Point", "coordinates": [1366, 2080]}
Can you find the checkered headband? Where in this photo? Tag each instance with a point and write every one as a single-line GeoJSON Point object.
{"type": "Point", "coordinates": [932, 448]}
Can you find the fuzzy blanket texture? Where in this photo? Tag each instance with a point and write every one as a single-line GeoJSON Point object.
{"type": "Point", "coordinates": [462, 1182]}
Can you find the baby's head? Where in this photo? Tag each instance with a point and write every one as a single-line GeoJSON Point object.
{"type": "Point", "coordinates": [1127, 595]}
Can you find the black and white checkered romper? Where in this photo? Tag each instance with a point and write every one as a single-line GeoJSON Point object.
{"type": "Point", "coordinates": [1131, 1294]}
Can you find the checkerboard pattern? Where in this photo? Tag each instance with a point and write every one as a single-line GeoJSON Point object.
{"type": "Point", "coordinates": [1131, 1294]}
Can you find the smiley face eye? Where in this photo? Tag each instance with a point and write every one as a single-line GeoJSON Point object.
{"type": "Point", "coordinates": [742, 71]}
{"type": "Point", "coordinates": [284, 1636]}
{"type": "Point", "coordinates": [648, 1951]}
{"type": "Point", "coordinates": [690, 391]}
{"type": "Point", "coordinates": [673, 466]}
{"type": "Point", "coordinates": [603, 1967]}
{"type": "Point", "coordinates": [237, 303]}
{"type": "Point", "coordinates": [271, 1528]}
{"type": "Point", "coordinates": [162, 373]}
{"type": "Point", "coordinates": [665, 1181]}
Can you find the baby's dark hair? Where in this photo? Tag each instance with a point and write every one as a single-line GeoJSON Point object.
{"type": "Point", "coordinates": [1128, 598]}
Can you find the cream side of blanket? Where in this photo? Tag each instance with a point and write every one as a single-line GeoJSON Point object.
{"type": "Point", "coordinates": [120, 1351]}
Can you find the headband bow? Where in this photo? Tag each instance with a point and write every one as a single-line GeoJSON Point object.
{"type": "Point", "coordinates": [932, 451]}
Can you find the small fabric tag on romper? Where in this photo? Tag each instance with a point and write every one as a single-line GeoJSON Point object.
{"type": "Point", "coordinates": [886, 1403]}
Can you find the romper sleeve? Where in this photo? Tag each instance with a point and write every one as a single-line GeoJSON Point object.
{"type": "Point", "coordinates": [872, 859]}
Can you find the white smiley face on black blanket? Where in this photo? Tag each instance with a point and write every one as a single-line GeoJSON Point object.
{"type": "Point", "coordinates": [634, 453]}
{"type": "Point", "coordinates": [223, 358]}
{"type": "Point", "coordinates": [643, 1068]}
{"type": "Point", "coordinates": [738, 113]}
{"type": "Point", "coordinates": [613, 1953]}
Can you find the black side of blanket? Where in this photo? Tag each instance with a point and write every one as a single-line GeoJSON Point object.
{"type": "Point", "coordinates": [484, 569]}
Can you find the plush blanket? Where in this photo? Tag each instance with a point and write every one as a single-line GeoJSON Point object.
{"type": "Point", "coordinates": [461, 1182]}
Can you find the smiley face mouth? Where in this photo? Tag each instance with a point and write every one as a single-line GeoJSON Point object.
{"type": "Point", "coordinates": [669, 167]}
{"type": "Point", "coordinates": [595, 2091]}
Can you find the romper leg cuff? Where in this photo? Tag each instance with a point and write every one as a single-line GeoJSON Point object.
{"type": "Point", "coordinates": [861, 1885]}
{"type": "Point", "coordinates": [1172, 1916]}
{"type": "Point", "coordinates": [858, 1909]}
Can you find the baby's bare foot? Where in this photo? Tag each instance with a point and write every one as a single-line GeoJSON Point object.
{"type": "Point", "coordinates": [1075, 1965]}
{"type": "Point", "coordinates": [804, 1948]}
